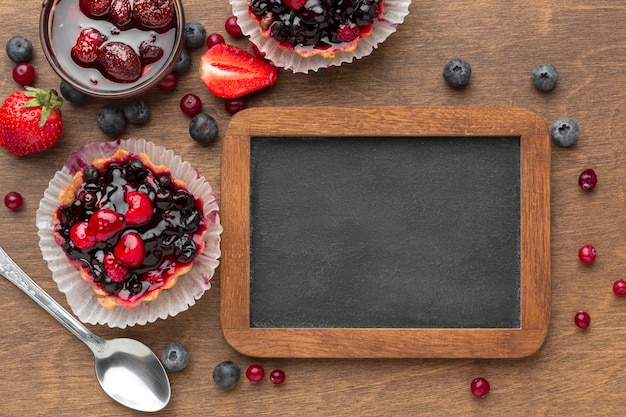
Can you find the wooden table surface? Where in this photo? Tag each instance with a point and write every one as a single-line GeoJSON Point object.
{"type": "Point", "coordinates": [46, 371]}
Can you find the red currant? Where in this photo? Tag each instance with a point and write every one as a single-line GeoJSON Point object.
{"type": "Point", "coordinates": [277, 376]}
{"type": "Point", "coordinates": [13, 200]}
{"type": "Point", "coordinates": [255, 373]}
{"type": "Point", "coordinates": [582, 319]}
{"type": "Point", "coordinates": [214, 39]}
{"type": "Point", "coordinates": [619, 287]}
{"type": "Point", "coordinates": [232, 27]}
{"type": "Point", "coordinates": [233, 105]}
{"type": "Point", "coordinates": [587, 254]}
{"type": "Point", "coordinates": [24, 73]}
{"type": "Point", "coordinates": [479, 387]}
{"type": "Point", "coordinates": [588, 179]}
{"type": "Point", "coordinates": [169, 83]}
{"type": "Point", "coordinates": [190, 104]}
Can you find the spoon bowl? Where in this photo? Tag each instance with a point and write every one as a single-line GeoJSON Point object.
{"type": "Point", "coordinates": [128, 371]}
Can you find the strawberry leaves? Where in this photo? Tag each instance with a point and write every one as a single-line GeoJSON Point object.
{"type": "Point", "coordinates": [47, 100]}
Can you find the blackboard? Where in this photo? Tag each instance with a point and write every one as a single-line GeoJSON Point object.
{"type": "Point", "coordinates": [362, 232]}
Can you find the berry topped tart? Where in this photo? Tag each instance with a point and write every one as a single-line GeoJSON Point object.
{"type": "Point", "coordinates": [142, 236]}
{"type": "Point", "coordinates": [312, 27]}
{"type": "Point", "coordinates": [304, 35]}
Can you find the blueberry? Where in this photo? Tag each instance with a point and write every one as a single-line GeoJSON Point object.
{"type": "Point", "coordinates": [19, 49]}
{"type": "Point", "coordinates": [457, 72]}
{"type": "Point", "coordinates": [111, 120]}
{"type": "Point", "coordinates": [544, 77]}
{"type": "Point", "coordinates": [195, 34]}
{"type": "Point", "coordinates": [91, 175]}
{"type": "Point", "coordinates": [71, 94]}
{"type": "Point", "coordinates": [175, 356]}
{"type": "Point", "coordinates": [226, 374]}
{"type": "Point", "coordinates": [564, 132]}
{"type": "Point", "coordinates": [137, 111]}
{"type": "Point", "coordinates": [184, 62]}
{"type": "Point", "coordinates": [203, 128]}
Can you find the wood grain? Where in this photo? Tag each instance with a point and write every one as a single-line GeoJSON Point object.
{"type": "Point", "coordinates": [384, 342]}
{"type": "Point", "coordinates": [575, 373]}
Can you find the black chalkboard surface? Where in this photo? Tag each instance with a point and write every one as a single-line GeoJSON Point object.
{"type": "Point", "coordinates": [385, 232]}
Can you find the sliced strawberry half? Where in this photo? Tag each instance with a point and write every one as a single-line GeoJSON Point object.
{"type": "Point", "coordinates": [230, 72]}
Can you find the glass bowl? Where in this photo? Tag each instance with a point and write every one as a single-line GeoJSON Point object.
{"type": "Point", "coordinates": [61, 22]}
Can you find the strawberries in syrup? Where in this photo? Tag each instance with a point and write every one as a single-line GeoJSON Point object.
{"type": "Point", "coordinates": [85, 50]}
{"type": "Point", "coordinates": [154, 14]}
{"type": "Point", "coordinates": [119, 62]}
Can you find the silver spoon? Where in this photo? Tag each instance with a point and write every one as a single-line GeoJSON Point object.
{"type": "Point", "coordinates": [128, 371]}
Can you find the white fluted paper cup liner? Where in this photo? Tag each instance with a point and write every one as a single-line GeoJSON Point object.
{"type": "Point", "coordinates": [79, 293]}
{"type": "Point", "coordinates": [393, 14]}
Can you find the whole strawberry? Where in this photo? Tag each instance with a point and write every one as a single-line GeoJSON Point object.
{"type": "Point", "coordinates": [30, 121]}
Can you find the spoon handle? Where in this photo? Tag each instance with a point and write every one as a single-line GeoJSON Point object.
{"type": "Point", "coordinates": [12, 272]}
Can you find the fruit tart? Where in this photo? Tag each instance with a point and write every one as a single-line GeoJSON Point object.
{"type": "Point", "coordinates": [304, 35]}
{"type": "Point", "coordinates": [133, 230]}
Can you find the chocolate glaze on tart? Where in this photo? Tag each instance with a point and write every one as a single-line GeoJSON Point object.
{"type": "Point", "coordinates": [129, 227]}
{"type": "Point", "coordinates": [316, 27]}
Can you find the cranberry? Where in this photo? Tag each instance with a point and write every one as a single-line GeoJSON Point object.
{"type": "Point", "coordinates": [588, 179]}
{"type": "Point", "coordinates": [130, 250]}
{"type": "Point", "coordinates": [232, 27]}
{"type": "Point", "coordinates": [169, 83]}
{"type": "Point", "coordinates": [277, 376]}
{"type": "Point", "coordinates": [24, 73]}
{"type": "Point", "coordinates": [105, 223]}
{"type": "Point", "coordinates": [233, 105]}
{"type": "Point", "coordinates": [13, 200]}
{"type": "Point", "coordinates": [214, 39]}
{"type": "Point", "coordinates": [479, 387]}
{"type": "Point", "coordinates": [587, 254]}
{"type": "Point", "coordinates": [257, 52]}
{"type": "Point", "coordinates": [582, 319]}
{"type": "Point", "coordinates": [255, 373]}
{"type": "Point", "coordinates": [619, 287]}
{"type": "Point", "coordinates": [80, 235]}
{"type": "Point", "coordinates": [190, 104]}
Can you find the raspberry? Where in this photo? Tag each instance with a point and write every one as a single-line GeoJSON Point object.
{"type": "Point", "coordinates": [140, 208]}
{"type": "Point", "coordinates": [348, 32]}
{"type": "Point", "coordinates": [114, 269]}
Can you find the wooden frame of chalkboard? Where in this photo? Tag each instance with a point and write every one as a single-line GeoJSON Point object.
{"type": "Point", "coordinates": [466, 123]}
